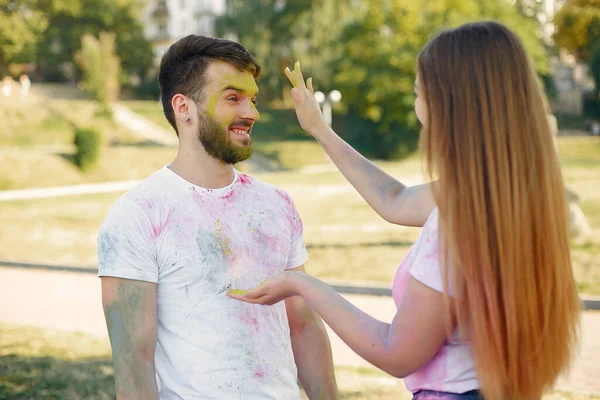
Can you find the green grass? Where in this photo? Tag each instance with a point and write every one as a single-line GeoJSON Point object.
{"type": "Point", "coordinates": [28, 122]}
{"type": "Point", "coordinates": [40, 364]}
{"type": "Point", "coordinates": [45, 364]}
{"type": "Point", "coordinates": [52, 166]}
{"type": "Point", "coordinates": [36, 121]}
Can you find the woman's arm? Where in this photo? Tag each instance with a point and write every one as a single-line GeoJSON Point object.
{"type": "Point", "coordinates": [392, 200]}
{"type": "Point", "coordinates": [400, 348]}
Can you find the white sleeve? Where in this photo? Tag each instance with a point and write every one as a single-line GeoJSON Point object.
{"type": "Point", "coordinates": [426, 266]}
{"type": "Point", "coordinates": [126, 248]}
{"type": "Point", "coordinates": [298, 254]}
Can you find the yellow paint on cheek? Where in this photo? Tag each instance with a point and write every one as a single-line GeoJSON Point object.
{"type": "Point", "coordinates": [211, 105]}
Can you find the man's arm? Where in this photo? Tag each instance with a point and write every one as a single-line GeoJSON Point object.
{"type": "Point", "coordinates": [130, 311]}
{"type": "Point", "coordinates": [312, 350]}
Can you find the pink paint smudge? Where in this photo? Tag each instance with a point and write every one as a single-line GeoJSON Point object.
{"type": "Point", "coordinates": [258, 374]}
{"type": "Point", "coordinates": [146, 205]}
{"type": "Point", "coordinates": [250, 319]}
{"type": "Point", "coordinates": [272, 242]}
{"type": "Point", "coordinates": [283, 195]}
{"type": "Point", "coordinates": [245, 179]}
{"type": "Point", "coordinates": [401, 278]}
{"type": "Point", "coordinates": [157, 229]}
{"type": "Point", "coordinates": [434, 372]}
{"type": "Point", "coordinates": [229, 197]}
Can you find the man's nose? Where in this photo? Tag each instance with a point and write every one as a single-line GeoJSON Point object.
{"type": "Point", "coordinates": [251, 112]}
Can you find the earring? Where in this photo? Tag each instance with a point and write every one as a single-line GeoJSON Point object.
{"type": "Point", "coordinates": [188, 119]}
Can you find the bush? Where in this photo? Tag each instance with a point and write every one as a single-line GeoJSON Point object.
{"type": "Point", "coordinates": [88, 142]}
{"type": "Point", "coordinates": [148, 89]}
{"type": "Point", "coordinates": [373, 141]}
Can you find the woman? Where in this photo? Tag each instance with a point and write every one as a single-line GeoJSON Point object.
{"type": "Point", "coordinates": [487, 304]}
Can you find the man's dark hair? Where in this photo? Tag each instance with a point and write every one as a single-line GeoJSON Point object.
{"type": "Point", "coordinates": [183, 67]}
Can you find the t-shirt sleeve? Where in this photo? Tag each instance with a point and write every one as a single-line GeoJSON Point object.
{"type": "Point", "coordinates": [426, 266]}
{"type": "Point", "coordinates": [126, 248]}
{"type": "Point", "coordinates": [298, 254]}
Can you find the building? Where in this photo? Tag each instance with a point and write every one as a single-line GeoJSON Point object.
{"type": "Point", "coordinates": [166, 21]}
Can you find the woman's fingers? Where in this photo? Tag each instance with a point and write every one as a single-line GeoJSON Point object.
{"type": "Point", "coordinates": [295, 77]}
{"type": "Point", "coordinates": [309, 85]}
{"type": "Point", "coordinates": [299, 77]}
{"type": "Point", "coordinates": [290, 75]}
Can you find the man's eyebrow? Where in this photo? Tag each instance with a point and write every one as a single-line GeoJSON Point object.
{"type": "Point", "coordinates": [237, 89]}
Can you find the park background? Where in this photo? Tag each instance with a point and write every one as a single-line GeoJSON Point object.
{"type": "Point", "coordinates": [80, 124]}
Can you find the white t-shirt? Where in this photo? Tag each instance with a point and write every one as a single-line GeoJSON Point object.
{"type": "Point", "coordinates": [452, 368]}
{"type": "Point", "coordinates": [197, 243]}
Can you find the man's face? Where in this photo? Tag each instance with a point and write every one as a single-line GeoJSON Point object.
{"type": "Point", "coordinates": [228, 112]}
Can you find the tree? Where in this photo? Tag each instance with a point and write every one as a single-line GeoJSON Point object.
{"type": "Point", "coordinates": [101, 68]}
{"type": "Point", "coordinates": [578, 28]}
{"type": "Point", "coordinates": [376, 71]}
{"type": "Point", "coordinates": [287, 31]}
{"type": "Point", "coordinates": [22, 22]}
{"type": "Point", "coordinates": [578, 31]}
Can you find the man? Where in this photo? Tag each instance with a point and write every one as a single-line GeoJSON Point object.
{"type": "Point", "coordinates": [170, 249]}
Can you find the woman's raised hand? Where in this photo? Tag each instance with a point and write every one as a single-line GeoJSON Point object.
{"type": "Point", "coordinates": [308, 111]}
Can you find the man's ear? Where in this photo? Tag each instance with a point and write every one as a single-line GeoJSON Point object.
{"type": "Point", "coordinates": [184, 109]}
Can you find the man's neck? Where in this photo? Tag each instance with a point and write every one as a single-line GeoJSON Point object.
{"type": "Point", "coordinates": [201, 169]}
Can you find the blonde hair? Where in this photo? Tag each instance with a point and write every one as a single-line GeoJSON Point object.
{"type": "Point", "coordinates": [502, 206]}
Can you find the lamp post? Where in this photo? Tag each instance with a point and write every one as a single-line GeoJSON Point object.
{"type": "Point", "coordinates": [327, 101]}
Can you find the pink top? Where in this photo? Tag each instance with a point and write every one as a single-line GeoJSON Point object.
{"type": "Point", "coordinates": [452, 368]}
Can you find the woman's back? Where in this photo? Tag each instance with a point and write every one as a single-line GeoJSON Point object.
{"type": "Point", "coordinates": [503, 215]}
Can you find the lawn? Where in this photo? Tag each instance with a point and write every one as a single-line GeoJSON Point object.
{"type": "Point", "coordinates": [45, 364]}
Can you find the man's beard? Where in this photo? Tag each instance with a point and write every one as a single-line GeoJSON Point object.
{"type": "Point", "coordinates": [217, 143]}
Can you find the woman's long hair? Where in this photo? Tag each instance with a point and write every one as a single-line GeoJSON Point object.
{"type": "Point", "coordinates": [503, 210]}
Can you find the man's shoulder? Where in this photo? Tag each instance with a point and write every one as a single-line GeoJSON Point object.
{"type": "Point", "coordinates": [145, 192]}
{"type": "Point", "coordinates": [264, 187]}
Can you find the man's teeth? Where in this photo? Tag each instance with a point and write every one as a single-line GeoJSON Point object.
{"type": "Point", "coordinates": [241, 132]}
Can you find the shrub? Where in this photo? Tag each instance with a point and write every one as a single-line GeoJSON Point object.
{"type": "Point", "coordinates": [88, 142]}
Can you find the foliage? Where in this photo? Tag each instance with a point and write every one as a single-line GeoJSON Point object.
{"type": "Point", "coordinates": [88, 142]}
{"type": "Point", "coordinates": [49, 32]}
{"type": "Point", "coordinates": [100, 67]}
{"type": "Point", "coordinates": [377, 69]}
{"type": "Point", "coordinates": [148, 89]}
{"type": "Point", "coordinates": [288, 31]}
{"type": "Point", "coordinates": [20, 27]}
{"type": "Point", "coordinates": [578, 27]}
{"type": "Point", "coordinates": [578, 31]}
